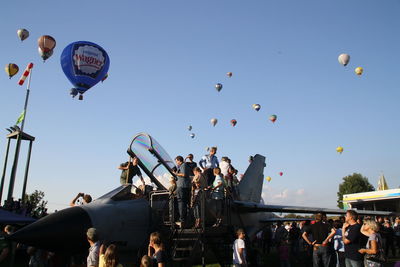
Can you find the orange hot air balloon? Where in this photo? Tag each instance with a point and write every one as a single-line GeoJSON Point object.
{"type": "Point", "coordinates": [46, 43]}
{"type": "Point", "coordinates": [233, 122]}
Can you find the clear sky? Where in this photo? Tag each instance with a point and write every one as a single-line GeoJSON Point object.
{"type": "Point", "coordinates": [166, 57]}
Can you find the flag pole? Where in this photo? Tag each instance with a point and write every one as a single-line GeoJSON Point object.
{"type": "Point", "coordinates": [18, 145]}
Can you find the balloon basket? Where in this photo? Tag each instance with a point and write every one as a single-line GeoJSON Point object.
{"type": "Point", "coordinates": [80, 97]}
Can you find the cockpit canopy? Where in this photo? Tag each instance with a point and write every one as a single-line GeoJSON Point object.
{"type": "Point", "coordinates": [153, 159]}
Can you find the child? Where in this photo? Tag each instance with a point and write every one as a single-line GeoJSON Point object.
{"type": "Point", "coordinates": [172, 199]}
{"type": "Point", "coordinates": [196, 202]}
{"type": "Point", "coordinates": [239, 250]}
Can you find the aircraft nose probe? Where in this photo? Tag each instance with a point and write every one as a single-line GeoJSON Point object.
{"type": "Point", "coordinates": [65, 229]}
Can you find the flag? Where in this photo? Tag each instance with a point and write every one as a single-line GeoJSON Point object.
{"type": "Point", "coordinates": [21, 117]}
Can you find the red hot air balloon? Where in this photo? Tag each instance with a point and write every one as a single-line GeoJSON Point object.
{"type": "Point", "coordinates": [233, 122]}
{"type": "Point", "coordinates": [280, 173]}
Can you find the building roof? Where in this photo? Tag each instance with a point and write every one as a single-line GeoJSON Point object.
{"type": "Point", "coordinates": [373, 195]}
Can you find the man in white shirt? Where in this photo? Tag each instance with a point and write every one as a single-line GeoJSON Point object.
{"type": "Point", "coordinates": [239, 250]}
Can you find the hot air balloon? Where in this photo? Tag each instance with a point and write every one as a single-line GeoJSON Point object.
{"type": "Point", "coordinates": [233, 122]}
{"type": "Point", "coordinates": [218, 86]}
{"type": "Point", "coordinates": [192, 135]}
{"type": "Point", "coordinates": [84, 64]}
{"type": "Point", "coordinates": [339, 149]}
{"type": "Point", "coordinates": [104, 78]}
{"type": "Point", "coordinates": [190, 127]}
{"type": "Point", "coordinates": [23, 34]}
{"type": "Point", "coordinates": [344, 59]}
{"type": "Point", "coordinates": [256, 107]}
{"type": "Point", "coordinates": [46, 43]}
{"type": "Point", "coordinates": [11, 69]}
{"type": "Point", "coordinates": [268, 178]}
{"type": "Point", "coordinates": [359, 71]}
{"type": "Point", "coordinates": [213, 121]}
{"type": "Point", "coordinates": [273, 118]}
{"type": "Point", "coordinates": [229, 74]}
{"type": "Point", "coordinates": [280, 173]}
{"type": "Point", "coordinates": [45, 55]}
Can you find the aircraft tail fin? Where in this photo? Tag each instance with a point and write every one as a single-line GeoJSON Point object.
{"type": "Point", "coordinates": [250, 187]}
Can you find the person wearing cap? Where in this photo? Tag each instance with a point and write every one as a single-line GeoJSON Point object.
{"type": "Point", "coordinates": [93, 239]}
{"type": "Point", "coordinates": [86, 199]}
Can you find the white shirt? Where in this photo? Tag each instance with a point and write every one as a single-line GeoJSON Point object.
{"type": "Point", "coordinates": [224, 166]}
{"type": "Point", "coordinates": [239, 243]}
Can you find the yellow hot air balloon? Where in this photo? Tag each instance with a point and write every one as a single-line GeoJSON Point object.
{"type": "Point", "coordinates": [11, 69]}
{"type": "Point", "coordinates": [359, 71]}
{"type": "Point", "coordinates": [268, 178]}
{"type": "Point", "coordinates": [339, 149]}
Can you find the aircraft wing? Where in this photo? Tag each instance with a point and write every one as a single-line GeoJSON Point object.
{"type": "Point", "coordinates": [271, 220]}
{"type": "Point", "coordinates": [257, 207]}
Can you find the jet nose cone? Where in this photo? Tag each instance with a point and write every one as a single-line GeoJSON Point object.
{"type": "Point", "coordinates": [61, 231]}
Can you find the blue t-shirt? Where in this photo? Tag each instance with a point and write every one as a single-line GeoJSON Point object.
{"type": "Point", "coordinates": [184, 182]}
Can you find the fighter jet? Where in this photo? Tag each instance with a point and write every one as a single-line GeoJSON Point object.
{"type": "Point", "coordinates": [127, 219]}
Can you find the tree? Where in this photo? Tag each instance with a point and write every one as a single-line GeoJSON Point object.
{"type": "Point", "coordinates": [35, 204]}
{"type": "Point", "coordinates": [354, 183]}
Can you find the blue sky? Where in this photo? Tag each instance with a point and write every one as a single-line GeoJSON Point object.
{"type": "Point", "coordinates": [166, 57]}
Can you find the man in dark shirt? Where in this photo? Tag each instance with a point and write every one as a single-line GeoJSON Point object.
{"type": "Point", "coordinates": [182, 188]}
{"type": "Point", "coordinates": [129, 170]}
{"type": "Point", "coordinates": [189, 161]}
{"type": "Point", "coordinates": [322, 233]}
{"type": "Point", "coordinates": [351, 239]}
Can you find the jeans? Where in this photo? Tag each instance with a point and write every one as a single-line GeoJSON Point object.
{"type": "Point", "coordinates": [353, 263]}
{"type": "Point", "coordinates": [182, 195]}
{"type": "Point", "coordinates": [321, 254]}
{"type": "Point", "coordinates": [196, 210]}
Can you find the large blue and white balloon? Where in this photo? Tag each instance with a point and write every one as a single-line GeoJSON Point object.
{"type": "Point", "coordinates": [85, 64]}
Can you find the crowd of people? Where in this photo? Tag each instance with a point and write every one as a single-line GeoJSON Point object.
{"type": "Point", "coordinates": [350, 241]}
{"type": "Point", "coordinates": [211, 178]}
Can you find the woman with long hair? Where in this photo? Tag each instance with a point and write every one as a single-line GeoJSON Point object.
{"type": "Point", "coordinates": [156, 250]}
{"type": "Point", "coordinates": [110, 257]}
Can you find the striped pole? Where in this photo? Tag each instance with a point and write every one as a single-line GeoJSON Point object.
{"type": "Point", "coordinates": [25, 74]}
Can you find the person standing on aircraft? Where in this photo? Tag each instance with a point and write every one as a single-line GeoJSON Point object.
{"type": "Point", "coordinates": [183, 188]}
{"type": "Point", "coordinates": [351, 239]}
{"type": "Point", "coordinates": [93, 239]}
{"type": "Point", "coordinates": [208, 163]}
{"type": "Point", "coordinates": [86, 199]}
{"type": "Point", "coordinates": [217, 194]}
{"type": "Point", "coordinates": [189, 161]}
{"type": "Point", "coordinates": [195, 202]}
{"type": "Point", "coordinates": [199, 177]}
{"type": "Point", "coordinates": [129, 170]}
{"type": "Point", "coordinates": [239, 250]}
{"type": "Point", "coordinates": [321, 233]}
{"type": "Point", "coordinates": [172, 199]}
